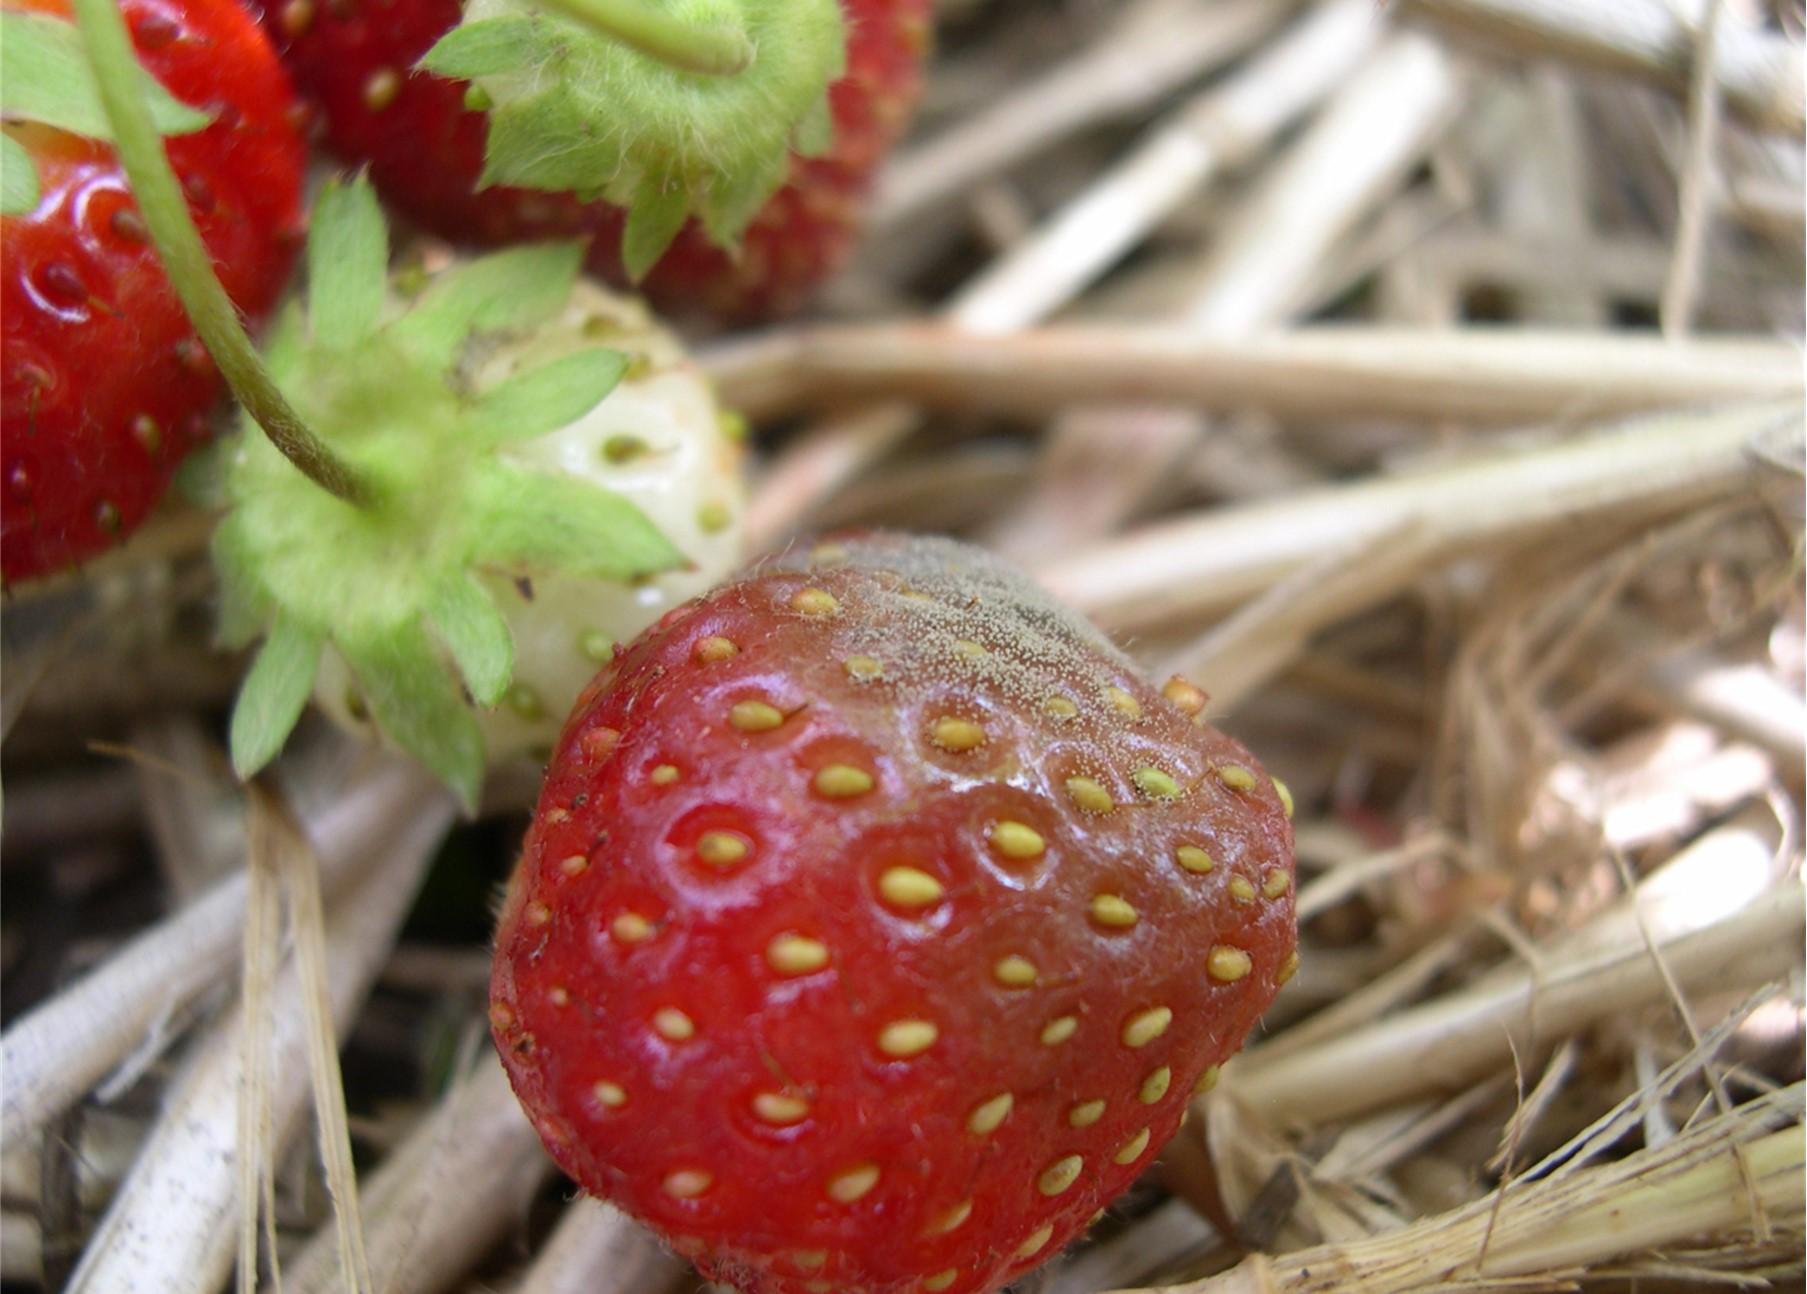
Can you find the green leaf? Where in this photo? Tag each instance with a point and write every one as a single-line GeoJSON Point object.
{"type": "Point", "coordinates": [347, 260]}
{"type": "Point", "coordinates": [507, 290]}
{"type": "Point", "coordinates": [488, 47]}
{"type": "Point", "coordinates": [539, 521]}
{"type": "Point", "coordinates": [273, 694]}
{"type": "Point", "coordinates": [18, 178]}
{"type": "Point", "coordinates": [546, 398]}
{"type": "Point", "coordinates": [474, 631]}
{"type": "Point", "coordinates": [45, 77]}
{"type": "Point", "coordinates": [413, 699]}
{"type": "Point", "coordinates": [652, 222]}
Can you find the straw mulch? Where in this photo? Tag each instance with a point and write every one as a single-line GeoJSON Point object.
{"type": "Point", "coordinates": [1424, 382]}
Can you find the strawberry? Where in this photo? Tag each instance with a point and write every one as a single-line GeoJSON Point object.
{"type": "Point", "coordinates": [877, 922]}
{"type": "Point", "coordinates": [425, 149]}
{"type": "Point", "coordinates": [104, 385]}
{"type": "Point", "coordinates": [545, 472]}
{"type": "Point", "coordinates": [656, 440]}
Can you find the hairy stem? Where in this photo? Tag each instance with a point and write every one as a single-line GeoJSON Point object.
{"type": "Point", "coordinates": [185, 258]}
{"type": "Point", "coordinates": [708, 51]}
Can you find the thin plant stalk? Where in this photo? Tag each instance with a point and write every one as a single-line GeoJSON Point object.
{"type": "Point", "coordinates": [1484, 376]}
{"type": "Point", "coordinates": [185, 257]}
{"type": "Point", "coordinates": [56, 1053]}
{"type": "Point", "coordinates": [171, 1229]}
{"type": "Point", "coordinates": [1206, 562]}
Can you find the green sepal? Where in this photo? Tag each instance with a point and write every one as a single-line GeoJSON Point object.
{"type": "Point", "coordinates": [487, 48]}
{"type": "Point", "coordinates": [506, 291]}
{"type": "Point", "coordinates": [45, 77]}
{"type": "Point", "coordinates": [516, 152]}
{"type": "Point", "coordinates": [652, 223]}
{"type": "Point", "coordinates": [347, 254]}
{"type": "Point", "coordinates": [416, 703]}
{"type": "Point", "coordinates": [737, 201]}
{"type": "Point", "coordinates": [543, 399]}
{"type": "Point", "coordinates": [18, 178]}
{"type": "Point", "coordinates": [537, 521]}
{"type": "Point", "coordinates": [201, 479]}
{"type": "Point", "coordinates": [245, 608]}
{"type": "Point", "coordinates": [273, 694]}
{"type": "Point", "coordinates": [476, 635]}
{"type": "Point", "coordinates": [573, 110]}
{"type": "Point", "coordinates": [286, 336]}
{"type": "Point", "coordinates": [815, 133]}
{"type": "Point", "coordinates": [398, 386]}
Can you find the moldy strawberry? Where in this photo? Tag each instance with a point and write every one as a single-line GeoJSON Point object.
{"type": "Point", "coordinates": [878, 921]}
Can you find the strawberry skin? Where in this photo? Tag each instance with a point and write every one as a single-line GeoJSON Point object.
{"type": "Point", "coordinates": [104, 386]}
{"type": "Point", "coordinates": [425, 153]}
{"type": "Point", "coordinates": [877, 923]}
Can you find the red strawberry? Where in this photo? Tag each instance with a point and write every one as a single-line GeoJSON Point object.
{"type": "Point", "coordinates": [877, 923]}
{"type": "Point", "coordinates": [425, 152]}
{"type": "Point", "coordinates": [105, 385]}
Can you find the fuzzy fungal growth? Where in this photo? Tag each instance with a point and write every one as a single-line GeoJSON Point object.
{"type": "Point", "coordinates": [548, 475]}
{"type": "Point", "coordinates": [937, 1010]}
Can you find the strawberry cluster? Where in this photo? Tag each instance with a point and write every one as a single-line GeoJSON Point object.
{"type": "Point", "coordinates": [728, 193]}
{"type": "Point", "coordinates": [426, 147]}
{"type": "Point", "coordinates": [877, 920]}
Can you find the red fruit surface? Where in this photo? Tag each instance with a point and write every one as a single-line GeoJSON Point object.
{"type": "Point", "coordinates": [105, 385]}
{"type": "Point", "coordinates": [776, 975]}
{"type": "Point", "coordinates": [425, 152]}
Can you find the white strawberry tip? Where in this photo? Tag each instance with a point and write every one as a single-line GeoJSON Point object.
{"type": "Point", "coordinates": [513, 542]}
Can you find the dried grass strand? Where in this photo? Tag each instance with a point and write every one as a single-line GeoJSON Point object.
{"type": "Point", "coordinates": [170, 1229]}
{"type": "Point", "coordinates": [445, 1195]}
{"type": "Point", "coordinates": [1698, 178]}
{"type": "Point", "coordinates": [1551, 1229]}
{"type": "Point", "coordinates": [1217, 129]}
{"type": "Point", "coordinates": [817, 465]}
{"type": "Point", "coordinates": [1760, 75]}
{"type": "Point", "coordinates": [261, 956]}
{"type": "Point", "coordinates": [299, 869]}
{"type": "Point", "coordinates": [1269, 632]}
{"type": "Point", "coordinates": [1487, 376]}
{"type": "Point", "coordinates": [597, 1249]}
{"type": "Point", "coordinates": [1455, 1038]}
{"type": "Point", "coordinates": [1352, 154]}
{"type": "Point", "coordinates": [1153, 48]}
{"type": "Point", "coordinates": [58, 1051]}
{"type": "Point", "coordinates": [1208, 561]}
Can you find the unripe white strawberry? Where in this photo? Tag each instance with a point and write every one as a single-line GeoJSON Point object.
{"type": "Point", "coordinates": [660, 441]}
{"type": "Point", "coordinates": [543, 473]}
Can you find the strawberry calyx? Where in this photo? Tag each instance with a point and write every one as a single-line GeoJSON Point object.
{"type": "Point", "coordinates": [45, 78]}
{"type": "Point", "coordinates": [573, 108]}
{"type": "Point", "coordinates": [394, 385]}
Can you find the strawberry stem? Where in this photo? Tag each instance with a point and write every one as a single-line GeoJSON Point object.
{"type": "Point", "coordinates": [708, 51]}
{"type": "Point", "coordinates": [185, 257]}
